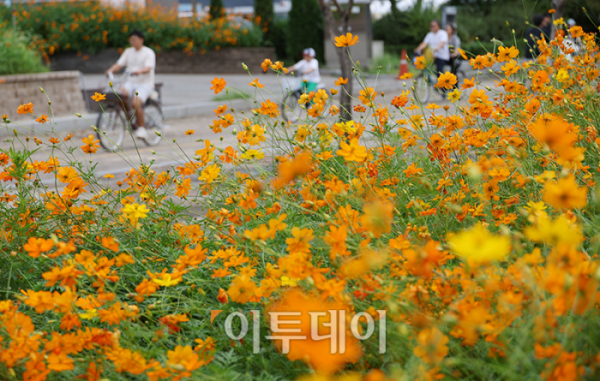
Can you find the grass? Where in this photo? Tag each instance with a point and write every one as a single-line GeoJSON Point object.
{"type": "Point", "coordinates": [234, 94]}
{"type": "Point", "coordinates": [388, 64]}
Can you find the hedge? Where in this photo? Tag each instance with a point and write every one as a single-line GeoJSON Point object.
{"type": "Point", "coordinates": [92, 26]}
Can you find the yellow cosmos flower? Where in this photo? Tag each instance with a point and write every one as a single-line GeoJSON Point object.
{"type": "Point", "coordinates": [253, 154]}
{"type": "Point", "coordinates": [478, 245]}
{"type": "Point", "coordinates": [352, 151]}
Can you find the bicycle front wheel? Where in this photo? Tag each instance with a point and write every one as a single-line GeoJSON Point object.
{"type": "Point", "coordinates": [153, 118]}
{"type": "Point", "coordinates": [111, 127]}
{"type": "Point", "coordinates": [292, 111]}
{"type": "Point", "coordinates": [421, 89]}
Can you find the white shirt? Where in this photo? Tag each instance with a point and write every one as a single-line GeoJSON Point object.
{"type": "Point", "coordinates": [305, 65]}
{"type": "Point", "coordinates": [136, 60]}
{"type": "Point", "coordinates": [433, 40]}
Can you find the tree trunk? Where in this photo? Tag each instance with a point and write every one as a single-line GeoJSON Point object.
{"type": "Point", "coordinates": [558, 6]}
{"type": "Point", "coordinates": [345, 62]}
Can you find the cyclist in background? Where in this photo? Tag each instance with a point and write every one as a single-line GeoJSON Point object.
{"type": "Point", "coordinates": [140, 60]}
{"type": "Point", "coordinates": [309, 68]}
{"type": "Point", "coordinates": [437, 40]}
{"type": "Point", "coordinates": [454, 43]}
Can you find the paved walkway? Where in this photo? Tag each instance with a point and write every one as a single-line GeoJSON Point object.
{"type": "Point", "coordinates": [179, 89]}
{"type": "Point", "coordinates": [169, 153]}
{"type": "Point", "coordinates": [189, 95]}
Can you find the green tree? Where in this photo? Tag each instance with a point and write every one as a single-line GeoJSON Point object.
{"type": "Point", "coordinates": [305, 29]}
{"type": "Point", "coordinates": [216, 9]}
{"type": "Point", "coordinates": [264, 10]}
{"type": "Point", "coordinates": [404, 30]}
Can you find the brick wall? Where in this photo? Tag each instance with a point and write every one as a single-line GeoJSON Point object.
{"type": "Point", "coordinates": [224, 61]}
{"type": "Point", "coordinates": [63, 89]}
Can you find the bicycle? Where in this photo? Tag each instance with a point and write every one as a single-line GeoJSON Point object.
{"type": "Point", "coordinates": [113, 120]}
{"type": "Point", "coordinates": [423, 83]}
{"type": "Point", "coordinates": [291, 109]}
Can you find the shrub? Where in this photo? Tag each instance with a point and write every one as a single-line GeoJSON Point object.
{"type": "Point", "coordinates": [216, 9]}
{"type": "Point", "coordinates": [473, 230]}
{"type": "Point", "coordinates": [279, 39]}
{"type": "Point", "coordinates": [263, 11]}
{"type": "Point", "coordinates": [404, 30]}
{"type": "Point", "coordinates": [91, 26]}
{"type": "Point", "coordinates": [305, 25]}
{"type": "Point", "coordinates": [16, 56]}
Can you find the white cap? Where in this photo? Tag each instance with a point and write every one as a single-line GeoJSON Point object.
{"type": "Point", "coordinates": [571, 22]}
{"type": "Point", "coordinates": [309, 52]}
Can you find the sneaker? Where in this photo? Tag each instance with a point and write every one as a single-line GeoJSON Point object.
{"type": "Point", "coordinates": [141, 133]}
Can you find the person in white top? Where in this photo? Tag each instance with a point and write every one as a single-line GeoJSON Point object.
{"type": "Point", "coordinates": [437, 40]}
{"type": "Point", "coordinates": [140, 60]}
{"type": "Point", "coordinates": [572, 44]}
{"type": "Point", "coordinates": [309, 68]}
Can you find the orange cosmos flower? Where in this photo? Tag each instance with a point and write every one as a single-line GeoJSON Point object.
{"type": "Point", "coordinates": [314, 350]}
{"type": "Point", "coordinates": [345, 41]}
{"type": "Point", "coordinates": [378, 218]}
{"type": "Point", "coordinates": [222, 297]}
{"type": "Point", "coordinates": [110, 243]}
{"type": "Point", "coordinates": [66, 174]}
{"type": "Point", "coordinates": [266, 64]}
{"type": "Point", "coordinates": [98, 97]}
{"type": "Point", "coordinates": [255, 83]}
{"type": "Point", "coordinates": [35, 246]}
{"type": "Point", "coordinates": [565, 193]}
{"type": "Point", "coordinates": [367, 96]}
{"type": "Point", "coordinates": [446, 80]}
{"type": "Point", "coordinates": [300, 242]}
{"type": "Point", "coordinates": [241, 289]}
{"type": "Point", "coordinates": [420, 63]}
{"type": "Point", "coordinates": [507, 54]}
{"type": "Point", "coordinates": [289, 170]}
{"type": "Point", "coordinates": [91, 145]}
{"type": "Point", "coordinates": [25, 109]}
{"type": "Point", "coordinates": [468, 83]}
{"type": "Point", "coordinates": [341, 81]}
{"type": "Point", "coordinates": [42, 119]}
{"type": "Point", "coordinates": [184, 357]}
{"type": "Point", "coordinates": [433, 345]}
{"type": "Point", "coordinates": [218, 85]}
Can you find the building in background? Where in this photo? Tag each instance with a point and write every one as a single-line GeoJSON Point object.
{"type": "Point", "coordinates": [359, 25]}
{"type": "Point", "coordinates": [240, 7]}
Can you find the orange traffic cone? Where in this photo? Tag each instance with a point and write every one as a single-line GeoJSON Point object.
{"type": "Point", "coordinates": [403, 64]}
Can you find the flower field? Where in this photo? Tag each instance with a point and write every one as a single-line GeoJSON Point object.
{"type": "Point", "coordinates": [86, 27]}
{"type": "Point", "coordinates": [467, 242]}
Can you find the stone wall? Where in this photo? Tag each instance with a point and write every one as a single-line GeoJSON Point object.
{"type": "Point", "coordinates": [223, 61]}
{"type": "Point", "coordinates": [62, 87]}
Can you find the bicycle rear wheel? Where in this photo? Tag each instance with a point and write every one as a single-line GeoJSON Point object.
{"type": "Point", "coordinates": [292, 111]}
{"type": "Point", "coordinates": [421, 89]}
{"type": "Point", "coordinates": [111, 127]}
{"type": "Point", "coordinates": [153, 119]}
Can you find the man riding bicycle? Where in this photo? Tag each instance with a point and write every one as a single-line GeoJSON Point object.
{"type": "Point", "coordinates": [140, 61]}
{"type": "Point", "coordinates": [309, 68]}
{"type": "Point", "coordinates": [437, 40]}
